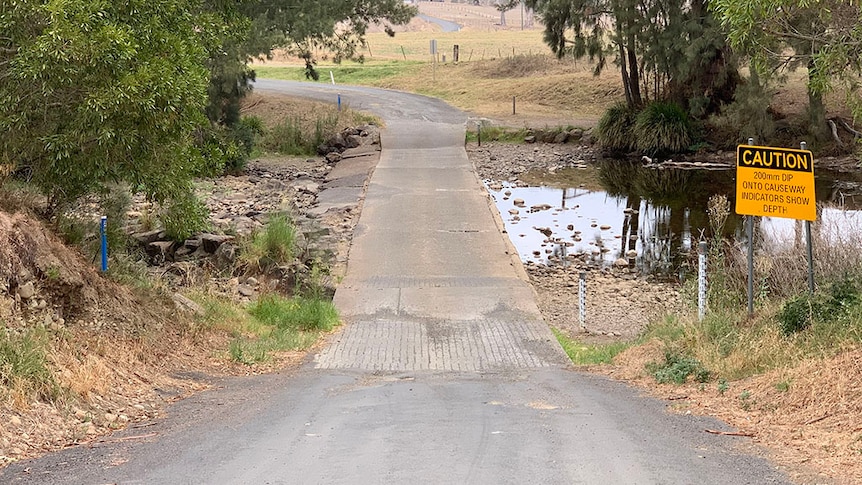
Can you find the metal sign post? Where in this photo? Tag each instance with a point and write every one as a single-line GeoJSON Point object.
{"type": "Point", "coordinates": [701, 281]}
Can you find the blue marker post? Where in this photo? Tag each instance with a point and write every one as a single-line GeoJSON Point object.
{"type": "Point", "coordinates": [103, 231]}
{"type": "Point", "coordinates": [339, 101]}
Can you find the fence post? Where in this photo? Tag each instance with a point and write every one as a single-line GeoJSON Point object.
{"type": "Point", "coordinates": [582, 300]}
{"type": "Point", "coordinates": [701, 280]}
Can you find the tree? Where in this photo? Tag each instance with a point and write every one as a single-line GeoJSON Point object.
{"type": "Point", "coordinates": [94, 92]}
{"type": "Point", "coordinates": [665, 49]}
{"type": "Point", "coordinates": [504, 6]}
{"type": "Point", "coordinates": [822, 35]}
{"type": "Point", "coordinates": [299, 26]}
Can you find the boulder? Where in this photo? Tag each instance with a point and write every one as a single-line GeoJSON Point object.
{"type": "Point", "coordinates": [27, 290]}
{"type": "Point", "coordinates": [530, 139]}
{"type": "Point", "coordinates": [561, 137]}
{"type": "Point", "coordinates": [211, 242]}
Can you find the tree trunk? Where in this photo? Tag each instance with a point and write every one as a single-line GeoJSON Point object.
{"type": "Point", "coordinates": [625, 74]}
{"type": "Point", "coordinates": [634, 76]}
{"type": "Point", "coordinates": [816, 109]}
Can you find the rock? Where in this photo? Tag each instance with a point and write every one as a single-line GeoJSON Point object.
{"type": "Point", "coordinates": [211, 242]}
{"type": "Point", "coordinates": [530, 139]}
{"type": "Point", "coordinates": [519, 203]}
{"type": "Point", "coordinates": [514, 212]}
{"type": "Point", "coordinates": [27, 290]}
{"type": "Point", "coordinates": [245, 290]}
{"type": "Point", "coordinates": [225, 255]}
{"type": "Point", "coordinates": [161, 251]}
{"type": "Point", "coordinates": [110, 417]}
{"type": "Point", "coordinates": [146, 238]}
{"type": "Point", "coordinates": [604, 227]}
{"type": "Point", "coordinates": [252, 281]}
{"type": "Point", "coordinates": [187, 304]}
{"type": "Point", "coordinates": [631, 253]}
{"type": "Point", "coordinates": [15, 421]}
{"type": "Point", "coordinates": [561, 137]}
{"type": "Point", "coordinates": [621, 263]}
{"type": "Point", "coordinates": [333, 157]}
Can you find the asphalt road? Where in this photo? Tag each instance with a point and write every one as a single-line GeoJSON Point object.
{"type": "Point", "coordinates": [444, 373]}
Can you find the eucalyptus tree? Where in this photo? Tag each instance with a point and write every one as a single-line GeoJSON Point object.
{"type": "Point", "coordinates": [824, 36]}
{"type": "Point", "coordinates": [94, 92]}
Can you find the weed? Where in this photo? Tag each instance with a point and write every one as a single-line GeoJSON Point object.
{"type": "Point", "coordinates": [586, 354]}
{"type": "Point", "coordinates": [677, 368]}
{"type": "Point", "coordinates": [782, 386]}
{"type": "Point", "coordinates": [722, 386]}
{"type": "Point", "coordinates": [184, 216]}
{"type": "Point", "coordinates": [273, 245]}
{"type": "Point", "coordinates": [745, 400]}
{"type": "Point", "coordinates": [24, 367]}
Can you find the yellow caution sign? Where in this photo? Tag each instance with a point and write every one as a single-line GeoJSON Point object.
{"type": "Point", "coordinates": [775, 182]}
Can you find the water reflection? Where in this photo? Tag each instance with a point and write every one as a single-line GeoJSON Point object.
{"type": "Point", "coordinates": [652, 218]}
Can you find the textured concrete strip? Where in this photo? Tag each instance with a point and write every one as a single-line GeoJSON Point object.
{"type": "Point", "coordinates": [392, 344]}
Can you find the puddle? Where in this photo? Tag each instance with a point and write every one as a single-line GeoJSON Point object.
{"type": "Point", "coordinates": [651, 218]}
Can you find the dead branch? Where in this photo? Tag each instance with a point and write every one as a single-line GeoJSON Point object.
{"type": "Point", "coordinates": [817, 420]}
{"type": "Point", "coordinates": [846, 126]}
{"type": "Point", "coordinates": [834, 128]}
{"type": "Point", "coordinates": [729, 433]}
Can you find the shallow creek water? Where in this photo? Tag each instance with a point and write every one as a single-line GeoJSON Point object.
{"type": "Point", "coordinates": [651, 218]}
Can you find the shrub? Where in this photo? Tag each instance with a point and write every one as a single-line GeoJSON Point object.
{"type": "Point", "coordinates": [184, 216]}
{"type": "Point", "coordinates": [662, 128]}
{"type": "Point", "coordinates": [677, 368]}
{"type": "Point", "coordinates": [615, 128]}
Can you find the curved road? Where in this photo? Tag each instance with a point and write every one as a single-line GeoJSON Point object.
{"type": "Point", "coordinates": [444, 373]}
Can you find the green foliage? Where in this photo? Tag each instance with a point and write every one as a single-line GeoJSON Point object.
{"type": "Point", "coordinates": [677, 368]}
{"type": "Point", "coordinates": [92, 93]}
{"type": "Point", "coordinates": [616, 126]}
{"type": "Point", "coordinates": [664, 49]}
{"type": "Point", "coordinates": [304, 314]}
{"type": "Point", "coordinates": [273, 245]}
{"type": "Point", "coordinates": [800, 312]}
{"type": "Point", "coordinates": [184, 216]}
{"type": "Point", "coordinates": [587, 354]}
{"type": "Point", "coordinates": [797, 314]}
{"type": "Point", "coordinates": [24, 366]}
{"type": "Point", "coordinates": [662, 128]}
{"type": "Point", "coordinates": [749, 115]}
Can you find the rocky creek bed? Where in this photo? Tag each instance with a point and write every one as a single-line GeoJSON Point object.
{"type": "Point", "coordinates": [620, 302]}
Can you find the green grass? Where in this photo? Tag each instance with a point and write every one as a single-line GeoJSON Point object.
{"type": "Point", "coordinates": [273, 245]}
{"type": "Point", "coordinates": [24, 370]}
{"type": "Point", "coordinates": [589, 354]}
{"type": "Point", "coordinates": [278, 324]}
{"type": "Point", "coordinates": [305, 314]}
{"type": "Point", "coordinates": [497, 133]}
{"type": "Point", "coordinates": [369, 73]}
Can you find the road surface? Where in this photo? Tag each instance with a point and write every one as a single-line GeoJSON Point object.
{"type": "Point", "coordinates": [444, 373]}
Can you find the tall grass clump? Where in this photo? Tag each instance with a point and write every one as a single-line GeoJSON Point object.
{"type": "Point", "coordinates": [298, 314]}
{"type": "Point", "coordinates": [296, 136]}
{"type": "Point", "coordinates": [272, 245]}
{"type": "Point", "coordinates": [661, 128]}
{"type": "Point", "coordinates": [615, 128]}
{"type": "Point", "coordinates": [24, 371]}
